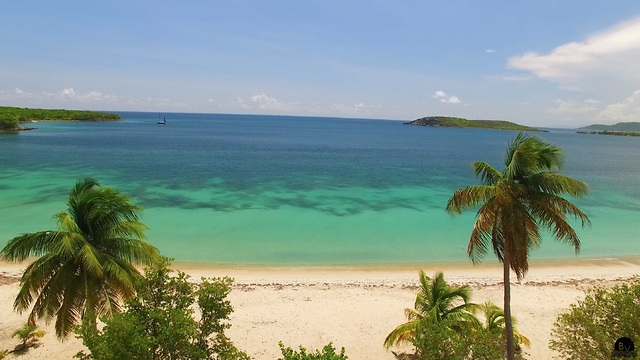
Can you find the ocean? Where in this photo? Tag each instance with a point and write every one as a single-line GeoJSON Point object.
{"type": "Point", "coordinates": [303, 191]}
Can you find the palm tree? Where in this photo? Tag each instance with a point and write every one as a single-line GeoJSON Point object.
{"type": "Point", "coordinates": [437, 301]}
{"type": "Point", "coordinates": [29, 335]}
{"type": "Point", "coordinates": [494, 321]}
{"type": "Point", "coordinates": [513, 205]}
{"type": "Point", "coordinates": [86, 267]}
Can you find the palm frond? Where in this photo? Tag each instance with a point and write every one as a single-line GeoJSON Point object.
{"type": "Point", "coordinates": [488, 174]}
{"type": "Point", "coordinates": [469, 197]}
{"type": "Point", "coordinates": [401, 334]}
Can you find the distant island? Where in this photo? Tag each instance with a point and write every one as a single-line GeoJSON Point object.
{"type": "Point", "coordinates": [621, 126]}
{"type": "Point", "coordinates": [619, 129]}
{"type": "Point", "coordinates": [12, 117]}
{"type": "Point", "coordinates": [446, 121]}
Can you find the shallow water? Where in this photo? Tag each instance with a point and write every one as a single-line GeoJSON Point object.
{"type": "Point", "coordinates": [241, 189]}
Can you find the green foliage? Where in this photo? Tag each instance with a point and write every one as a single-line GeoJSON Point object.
{"type": "Point", "coordinates": [435, 302]}
{"type": "Point", "coordinates": [447, 121]}
{"type": "Point", "coordinates": [621, 126]}
{"type": "Point", "coordinates": [444, 325]}
{"type": "Point", "coordinates": [8, 121]}
{"type": "Point", "coordinates": [28, 335]}
{"type": "Point", "coordinates": [160, 323]}
{"type": "Point", "coordinates": [446, 342]}
{"type": "Point", "coordinates": [328, 353]}
{"type": "Point", "coordinates": [591, 327]}
{"type": "Point", "coordinates": [13, 115]}
{"type": "Point", "coordinates": [87, 267]}
{"type": "Point", "coordinates": [607, 132]}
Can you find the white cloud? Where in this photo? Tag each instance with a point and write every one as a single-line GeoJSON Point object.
{"type": "Point", "coordinates": [67, 93]}
{"type": "Point", "coordinates": [611, 54]}
{"type": "Point", "coordinates": [574, 107]}
{"type": "Point", "coordinates": [627, 110]}
{"type": "Point", "coordinates": [443, 97]}
{"type": "Point", "coordinates": [266, 102]}
{"type": "Point", "coordinates": [490, 51]}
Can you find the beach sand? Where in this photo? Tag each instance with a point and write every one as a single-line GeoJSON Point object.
{"type": "Point", "coordinates": [353, 307]}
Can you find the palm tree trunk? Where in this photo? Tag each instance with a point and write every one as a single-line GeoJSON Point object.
{"type": "Point", "coordinates": [508, 327]}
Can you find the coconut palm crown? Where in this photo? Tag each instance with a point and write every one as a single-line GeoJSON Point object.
{"type": "Point", "coordinates": [513, 205]}
{"type": "Point", "coordinates": [85, 268]}
{"type": "Point", "coordinates": [436, 301]}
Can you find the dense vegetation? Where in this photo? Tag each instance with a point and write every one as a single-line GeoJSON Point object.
{"type": "Point", "coordinates": [607, 132]}
{"type": "Point", "coordinates": [159, 322]}
{"type": "Point", "coordinates": [445, 121]}
{"type": "Point", "coordinates": [621, 126]}
{"type": "Point", "coordinates": [443, 325]}
{"type": "Point", "coordinates": [328, 352]}
{"type": "Point", "coordinates": [11, 117]}
{"type": "Point", "coordinates": [591, 327]}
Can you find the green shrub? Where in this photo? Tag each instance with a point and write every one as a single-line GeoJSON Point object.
{"type": "Point", "coordinates": [328, 353]}
{"type": "Point", "coordinates": [444, 341]}
{"type": "Point", "coordinates": [159, 322]}
{"type": "Point", "coordinates": [591, 327]}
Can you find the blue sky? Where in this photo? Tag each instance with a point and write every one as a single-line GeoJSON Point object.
{"type": "Point", "coordinates": [542, 63]}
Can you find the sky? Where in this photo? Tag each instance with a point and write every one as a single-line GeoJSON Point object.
{"type": "Point", "coordinates": [546, 63]}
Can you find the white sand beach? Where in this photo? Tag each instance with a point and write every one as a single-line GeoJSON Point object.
{"type": "Point", "coordinates": [355, 307]}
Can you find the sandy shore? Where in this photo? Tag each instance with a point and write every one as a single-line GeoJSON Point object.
{"type": "Point", "coordinates": [354, 307]}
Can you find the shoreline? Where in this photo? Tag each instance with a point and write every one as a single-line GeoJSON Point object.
{"type": "Point", "coordinates": [354, 307]}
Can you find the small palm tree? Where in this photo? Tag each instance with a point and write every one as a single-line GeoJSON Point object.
{"type": "Point", "coordinates": [29, 335]}
{"type": "Point", "coordinates": [494, 321]}
{"type": "Point", "coordinates": [514, 204]}
{"type": "Point", "coordinates": [86, 267]}
{"type": "Point", "coordinates": [437, 301]}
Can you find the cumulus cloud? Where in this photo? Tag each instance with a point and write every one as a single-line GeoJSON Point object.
{"type": "Point", "coordinates": [627, 110]}
{"type": "Point", "coordinates": [443, 97]}
{"type": "Point", "coordinates": [266, 102]}
{"type": "Point", "coordinates": [612, 53]}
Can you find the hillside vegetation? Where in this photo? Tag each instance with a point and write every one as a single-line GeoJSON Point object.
{"type": "Point", "coordinates": [621, 126]}
{"type": "Point", "coordinates": [445, 121]}
{"type": "Point", "coordinates": [11, 117]}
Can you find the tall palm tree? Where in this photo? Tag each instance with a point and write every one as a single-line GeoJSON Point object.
{"type": "Point", "coordinates": [514, 204]}
{"type": "Point", "coordinates": [436, 301]}
{"type": "Point", "coordinates": [86, 267]}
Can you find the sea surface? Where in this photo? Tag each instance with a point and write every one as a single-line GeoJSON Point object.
{"type": "Point", "coordinates": [274, 190]}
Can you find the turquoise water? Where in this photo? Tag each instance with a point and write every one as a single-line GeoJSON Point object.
{"type": "Point", "coordinates": [237, 189]}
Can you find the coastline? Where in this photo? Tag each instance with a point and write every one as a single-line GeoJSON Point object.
{"type": "Point", "coordinates": [354, 307]}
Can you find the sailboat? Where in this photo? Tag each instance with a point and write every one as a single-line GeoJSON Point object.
{"type": "Point", "coordinates": [161, 122]}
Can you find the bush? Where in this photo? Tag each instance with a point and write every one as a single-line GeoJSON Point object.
{"type": "Point", "coordinates": [159, 322]}
{"type": "Point", "coordinates": [591, 327]}
{"type": "Point", "coordinates": [8, 122]}
{"type": "Point", "coordinates": [444, 342]}
{"type": "Point", "coordinates": [328, 353]}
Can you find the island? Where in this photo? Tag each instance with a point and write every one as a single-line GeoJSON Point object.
{"type": "Point", "coordinates": [447, 121]}
{"type": "Point", "coordinates": [12, 117]}
{"type": "Point", "coordinates": [619, 129]}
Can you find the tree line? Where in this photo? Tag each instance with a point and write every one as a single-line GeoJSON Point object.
{"type": "Point", "coordinates": [12, 117]}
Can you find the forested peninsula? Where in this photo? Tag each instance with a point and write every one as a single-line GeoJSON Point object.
{"type": "Point", "coordinates": [12, 117]}
{"type": "Point", "coordinates": [446, 121]}
{"type": "Point", "coordinates": [619, 129]}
